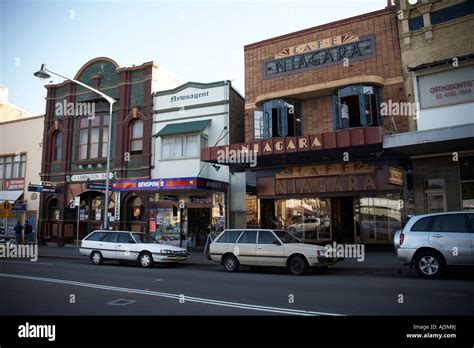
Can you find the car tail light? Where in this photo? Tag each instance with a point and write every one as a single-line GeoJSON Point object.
{"type": "Point", "coordinates": [402, 238]}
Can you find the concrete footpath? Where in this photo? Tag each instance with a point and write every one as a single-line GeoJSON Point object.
{"type": "Point", "coordinates": [374, 260]}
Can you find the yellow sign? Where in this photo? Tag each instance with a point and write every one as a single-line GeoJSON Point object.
{"type": "Point", "coordinates": [316, 45]}
{"type": "Point", "coordinates": [396, 176]}
{"type": "Point", "coordinates": [5, 210]}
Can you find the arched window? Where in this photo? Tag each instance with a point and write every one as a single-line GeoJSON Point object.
{"type": "Point", "coordinates": [136, 137]}
{"type": "Point", "coordinates": [58, 146]}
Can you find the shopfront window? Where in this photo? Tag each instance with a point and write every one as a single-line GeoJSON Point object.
{"type": "Point", "coordinates": [279, 118]}
{"type": "Point", "coordinates": [356, 106]}
{"type": "Point", "coordinates": [377, 218]}
{"type": "Point", "coordinates": [136, 209]}
{"type": "Point", "coordinates": [466, 170]}
{"type": "Point", "coordinates": [308, 219]}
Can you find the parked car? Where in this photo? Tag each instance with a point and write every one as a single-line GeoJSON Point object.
{"type": "Point", "coordinates": [235, 247]}
{"type": "Point", "coordinates": [308, 225]}
{"type": "Point", "coordinates": [432, 242]}
{"type": "Point", "coordinates": [129, 246]}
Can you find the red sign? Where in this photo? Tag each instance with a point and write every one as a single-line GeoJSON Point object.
{"type": "Point", "coordinates": [14, 184]}
{"type": "Point", "coordinates": [277, 146]}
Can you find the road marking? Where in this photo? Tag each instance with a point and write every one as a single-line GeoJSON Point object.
{"type": "Point", "coordinates": [174, 296]}
{"type": "Point", "coordinates": [120, 302]}
{"type": "Point", "coordinates": [29, 262]}
{"type": "Point", "coordinates": [159, 280]}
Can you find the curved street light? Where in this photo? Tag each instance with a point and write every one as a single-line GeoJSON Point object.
{"type": "Point", "coordinates": [44, 73]}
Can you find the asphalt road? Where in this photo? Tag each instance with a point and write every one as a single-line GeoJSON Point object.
{"type": "Point", "coordinates": [76, 287]}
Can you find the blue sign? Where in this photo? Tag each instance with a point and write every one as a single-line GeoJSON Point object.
{"type": "Point", "coordinates": [93, 186]}
{"type": "Point", "coordinates": [40, 188]}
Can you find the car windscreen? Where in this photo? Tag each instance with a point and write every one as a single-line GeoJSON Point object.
{"type": "Point", "coordinates": [144, 238]}
{"type": "Point", "coordinates": [286, 237]}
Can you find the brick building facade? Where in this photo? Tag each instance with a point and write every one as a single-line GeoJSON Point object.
{"type": "Point", "coordinates": [75, 145]}
{"type": "Point", "coordinates": [314, 117]}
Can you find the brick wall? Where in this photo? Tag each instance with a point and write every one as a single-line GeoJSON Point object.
{"type": "Point", "coordinates": [318, 111]}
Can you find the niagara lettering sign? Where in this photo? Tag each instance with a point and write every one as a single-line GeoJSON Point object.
{"type": "Point", "coordinates": [328, 178]}
{"type": "Point", "coordinates": [288, 145]}
{"type": "Point", "coordinates": [319, 54]}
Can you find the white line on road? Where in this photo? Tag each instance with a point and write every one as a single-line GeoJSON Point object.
{"type": "Point", "coordinates": [29, 262]}
{"type": "Point", "coordinates": [173, 296]}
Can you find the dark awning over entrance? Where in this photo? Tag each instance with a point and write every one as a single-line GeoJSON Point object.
{"type": "Point", "coordinates": [183, 128]}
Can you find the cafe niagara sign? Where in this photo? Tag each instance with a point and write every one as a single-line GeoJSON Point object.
{"type": "Point", "coordinates": [320, 53]}
{"type": "Point", "coordinates": [331, 178]}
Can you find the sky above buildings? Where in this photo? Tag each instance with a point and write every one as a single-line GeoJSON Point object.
{"type": "Point", "coordinates": [200, 41]}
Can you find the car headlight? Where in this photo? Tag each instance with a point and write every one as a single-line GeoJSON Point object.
{"type": "Point", "coordinates": [166, 251]}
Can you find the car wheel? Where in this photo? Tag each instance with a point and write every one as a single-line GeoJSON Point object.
{"type": "Point", "coordinates": [96, 258]}
{"type": "Point", "coordinates": [145, 259]}
{"type": "Point", "coordinates": [231, 264]}
{"type": "Point", "coordinates": [430, 265]}
{"type": "Point", "coordinates": [298, 265]}
{"type": "Point", "coordinates": [321, 269]}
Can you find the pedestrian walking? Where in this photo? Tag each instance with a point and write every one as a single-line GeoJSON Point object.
{"type": "Point", "coordinates": [18, 232]}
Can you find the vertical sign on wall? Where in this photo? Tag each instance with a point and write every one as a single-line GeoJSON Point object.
{"type": "Point", "coordinates": [117, 206]}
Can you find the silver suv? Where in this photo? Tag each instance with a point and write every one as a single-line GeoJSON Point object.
{"type": "Point", "coordinates": [433, 241]}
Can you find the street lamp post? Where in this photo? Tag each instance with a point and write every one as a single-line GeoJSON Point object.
{"type": "Point", "coordinates": [44, 73]}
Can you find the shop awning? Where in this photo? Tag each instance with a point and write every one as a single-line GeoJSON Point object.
{"type": "Point", "coordinates": [183, 128]}
{"type": "Point", "coordinates": [10, 196]}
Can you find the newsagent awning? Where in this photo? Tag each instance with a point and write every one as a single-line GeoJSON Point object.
{"type": "Point", "coordinates": [183, 128]}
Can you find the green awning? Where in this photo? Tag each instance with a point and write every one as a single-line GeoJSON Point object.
{"type": "Point", "coordinates": [183, 128]}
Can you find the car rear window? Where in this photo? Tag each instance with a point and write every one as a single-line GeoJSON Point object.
{"type": "Point", "coordinates": [125, 238]}
{"type": "Point", "coordinates": [96, 236]}
{"type": "Point", "coordinates": [248, 237]}
{"type": "Point", "coordinates": [229, 237]}
{"type": "Point", "coordinates": [110, 237]}
{"type": "Point", "coordinates": [421, 225]}
{"type": "Point", "coordinates": [449, 223]}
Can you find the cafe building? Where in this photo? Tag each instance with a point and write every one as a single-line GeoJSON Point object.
{"type": "Point", "coordinates": [75, 148]}
{"type": "Point", "coordinates": [314, 119]}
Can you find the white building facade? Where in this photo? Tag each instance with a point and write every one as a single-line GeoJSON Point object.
{"type": "Point", "coordinates": [186, 119]}
{"type": "Point", "coordinates": [21, 135]}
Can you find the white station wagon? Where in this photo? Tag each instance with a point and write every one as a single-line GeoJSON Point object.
{"type": "Point", "coordinates": [129, 246]}
{"type": "Point", "coordinates": [249, 247]}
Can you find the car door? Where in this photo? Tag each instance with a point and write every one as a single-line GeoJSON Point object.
{"type": "Point", "coordinates": [450, 234]}
{"type": "Point", "coordinates": [270, 251]}
{"type": "Point", "coordinates": [246, 247]}
{"type": "Point", "coordinates": [107, 245]}
{"type": "Point", "coordinates": [125, 248]}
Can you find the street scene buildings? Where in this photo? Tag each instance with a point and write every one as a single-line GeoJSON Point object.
{"type": "Point", "coordinates": [354, 136]}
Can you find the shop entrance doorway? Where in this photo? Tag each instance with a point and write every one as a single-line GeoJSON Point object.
{"type": "Point", "coordinates": [343, 219]}
{"type": "Point", "coordinates": [199, 224]}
